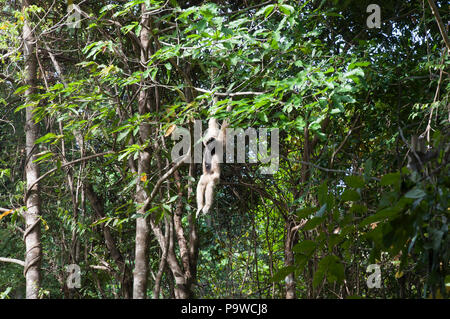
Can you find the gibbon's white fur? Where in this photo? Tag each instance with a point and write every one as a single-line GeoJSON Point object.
{"type": "Point", "coordinates": [213, 142]}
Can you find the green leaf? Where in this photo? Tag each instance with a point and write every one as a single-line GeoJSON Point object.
{"type": "Point", "coordinates": [332, 268]}
{"type": "Point", "coordinates": [381, 215]}
{"type": "Point", "coordinates": [313, 223]}
{"type": "Point", "coordinates": [282, 273]}
{"type": "Point", "coordinates": [415, 193]}
{"type": "Point", "coordinates": [322, 193]}
{"type": "Point", "coordinates": [350, 195]}
{"type": "Point", "coordinates": [45, 138]}
{"type": "Point", "coordinates": [286, 9]}
{"type": "Point", "coordinates": [358, 209]}
{"type": "Point", "coordinates": [108, 7]}
{"type": "Point", "coordinates": [46, 155]}
{"type": "Point", "coordinates": [305, 247]}
{"type": "Point", "coordinates": [321, 211]}
{"type": "Point", "coordinates": [21, 89]}
{"type": "Point", "coordinates": [357, 64]}
{"type": "Point", "coordinates": [368, 168]}
{"type": "Point", "coordinates": [354, 181]}
{"type": "Point", "coordinates": [266, 10]}
{"type": "Point", "coordinates": [128, 28]}
{"type": "Point", "coordinates": [305, 212]}
{"type": "Point", "coordinates": [390, 179]}
{"type": "Point", "coordinates": [122, 135]}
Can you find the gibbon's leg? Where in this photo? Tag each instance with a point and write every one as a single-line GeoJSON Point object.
{"type": "Point", "coordinates": [204, 180]}
{"type": "Point", "coordinates": [212, 177]}
{"type": "Point", "coordinates": [209, 191]}
{"type": "Point", "coordinates": [200, 193]}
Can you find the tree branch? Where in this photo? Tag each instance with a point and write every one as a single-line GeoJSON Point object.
{"type": "Point", "coordinates": [441, 26]}
{"type": "Point", "coordinates": [6, 78]}
{"type": "Point", "coordinates": [64, 165]}
{"type": "Point", "coordinates": [12, 260]}
{"type": "Point", "coordinates": [158, 184]}
{"type": "Point", "coordinates": [228, 93]}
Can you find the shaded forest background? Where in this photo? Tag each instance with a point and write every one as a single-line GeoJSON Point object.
{"type": "Point", "coordinates": [87, 120]}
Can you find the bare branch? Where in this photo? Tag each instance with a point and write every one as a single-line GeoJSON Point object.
{"type": "Point", "coordinates": [12, 260]}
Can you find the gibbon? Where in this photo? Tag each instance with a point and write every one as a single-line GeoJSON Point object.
{"type": "Point", "coordinates": [213, 141]}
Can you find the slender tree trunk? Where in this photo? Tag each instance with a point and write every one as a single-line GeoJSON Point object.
{"type": "Point", "coordinates": [141, 260]}
{"type": "Point", "coordinates": [124, 274]}
{"type": "Point", "coordinates": [289, 261]}
{"type": "Point", "coordinates": [141, 268]}
{"type": "Point", "coordinates": [163, 261]}
{"type": "Point", "coordinates": [193, 233]}
{"type": "Point", "coordinates": [32, 235]}
{"type": "Point", "coordinates": [182, 243]}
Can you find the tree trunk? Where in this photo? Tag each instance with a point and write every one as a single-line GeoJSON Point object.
{"type": "Point", "coordinates": [141, 260]}
{"type": "Point", "coordinates": [32, 235]}
{"type": "Point", "coordinates": [289, 261]}
{"type": "Point", "coordinates": [141, 268]}
{"type": "Point", "coordinates": [124, 275]}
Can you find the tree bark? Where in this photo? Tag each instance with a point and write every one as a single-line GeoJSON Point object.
{"type": "Point", "coordinates": [32, 235]}
{"type": "Point", "coordinates": [440, 24]}
{"type": "Point", "coordinates": [289, 261]}
{"type": "Point", "coordinates": [141, 268]}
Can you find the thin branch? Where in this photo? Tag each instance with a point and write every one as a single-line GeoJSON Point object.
{"type": "Point", "coordinates": [441, 26]}
{"type": "Point", "coordinates": [158, 184]}
{"type": "Point", "coordinates": [344, 141]}
{"type": "Point", "coordinates": [64, 165]}
{"type": "Point", "coordinates": [100, 267]}
{"type": "Point", "coordinates": [6, 78]}
{"type": "Point", "coordinates": [13, 260]}
{"type": "Point", "coordinates": [228, 93]}
{"type": "Point", "coordinates": [436, 95]}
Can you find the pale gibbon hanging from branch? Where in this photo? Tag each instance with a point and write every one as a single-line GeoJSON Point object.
{"type": "Point", "coordinates": [214, 142]}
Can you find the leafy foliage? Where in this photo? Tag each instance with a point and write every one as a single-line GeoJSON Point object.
{"type": "Point", "coordinates": [345, 98]}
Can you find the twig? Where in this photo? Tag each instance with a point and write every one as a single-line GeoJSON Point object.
{"type": "Point", "coordinates": [428, 129]}
{"type": "Point", "coordinates": [344, 141]}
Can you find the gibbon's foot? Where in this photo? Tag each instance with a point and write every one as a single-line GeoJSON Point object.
{"type": "Point", "coordinates": [206, 209]}
{"type": "Point", "coordinates": [203, 210]}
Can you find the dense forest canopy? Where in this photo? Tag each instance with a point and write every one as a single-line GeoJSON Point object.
{"type": "Point", "coordinates": [350, 100]}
